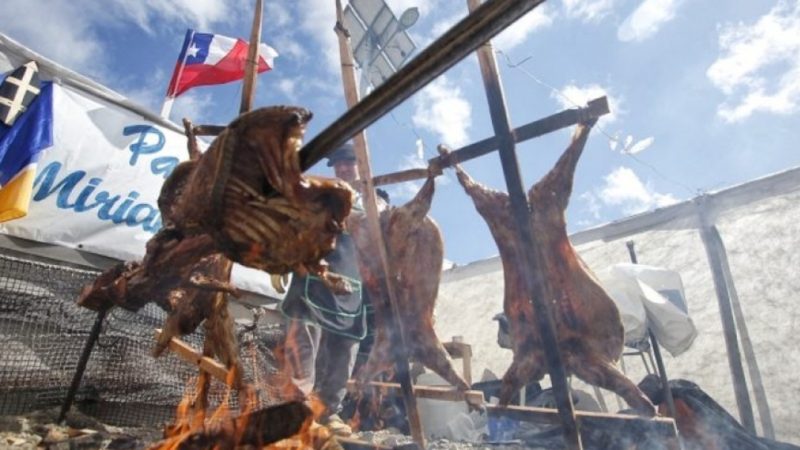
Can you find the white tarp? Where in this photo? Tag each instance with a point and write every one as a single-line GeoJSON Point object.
{"type": "Point", "coordinates": [654, 297]}
{"type": "Point", "coordinates": [96, 187]}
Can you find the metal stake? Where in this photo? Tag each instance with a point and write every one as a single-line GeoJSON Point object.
{"type": "Point", "coordinates": [84, 359]}
{"type": "Point", "coordinates": [662, 371]}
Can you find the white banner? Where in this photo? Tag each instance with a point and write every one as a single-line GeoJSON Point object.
{"type": "Point", "coordinates": [96, 188]}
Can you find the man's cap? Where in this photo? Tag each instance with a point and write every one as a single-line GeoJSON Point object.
{"type": "Point", "coordinates": [343, 153]}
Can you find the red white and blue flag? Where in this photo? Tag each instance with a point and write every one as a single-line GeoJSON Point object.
{"type": "Point", "coordinates": [207, 59]}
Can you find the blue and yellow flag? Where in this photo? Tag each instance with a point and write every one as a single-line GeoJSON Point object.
{"type": "Point", "coordinates": [20, 148]}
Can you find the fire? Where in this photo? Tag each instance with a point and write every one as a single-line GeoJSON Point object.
{"type": "Point", "coordinates": [224, 428]}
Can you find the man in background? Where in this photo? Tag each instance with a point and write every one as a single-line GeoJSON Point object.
{"type": "Point", "coordinates": [324, 329]}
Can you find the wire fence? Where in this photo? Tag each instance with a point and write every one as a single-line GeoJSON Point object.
{"type": "Point", "coordinates": [43, 332]}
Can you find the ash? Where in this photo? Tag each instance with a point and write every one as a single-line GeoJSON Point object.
{"type": "Point", "coordinates": [392, 438]}
{"type": "Point", "coordinates": [39, 430]}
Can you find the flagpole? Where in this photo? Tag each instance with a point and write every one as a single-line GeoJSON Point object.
{"type": "Point", "coordinates": [251, 68]}
{"type": "Point", "coordinates": [169, 100]}
{"type": "Point", "coordinates": [166, 108]}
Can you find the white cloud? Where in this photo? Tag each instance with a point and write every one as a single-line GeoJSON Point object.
{"type": "Point", "coordinates": [288, 88]}
{"type": "Point", "coordinates": [759, 64]}
{"type": "Point", "coordinates": [399, 6]}
{"type": "Point", "coordinates": [67, 38]}
{"type": "Point", "coordinates": [276, 15]}
{"type": "Point", "coordinates": [317, 22]}
{"type": "Point", "coordinates": [442, 26]}
{"type": "Point", "coordinates": [522, 28]}
{"type": "Point", "coordinates": [442, 109]}
{"type": "Point", "coordinates": [199, 13]}
{"type": "Point", "coordinates": [573, 95]}
{"type": "Point", "coordinates": [70, 34]}
{"type": "Point", "coordinates": [647, 19]}
{"type": "Point", "coordinates": [590, 11]}
{"type": "Point", "coordinates": [623, 188]}
{"type": "Point", "coordinates": [198, 107]}
{"type": "Point", "coordinates": [288, 48]}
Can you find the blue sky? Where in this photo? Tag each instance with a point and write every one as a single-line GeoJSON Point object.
{"type": "Point", "coordinates": [704, 94]}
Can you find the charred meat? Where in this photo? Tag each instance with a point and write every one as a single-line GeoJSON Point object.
{"type": "Point", "coordinates": [226, 195]}
{"type": "Point", "coordinates": [587, 322]}
{"type": "Point", "coordinates": [416, 251]}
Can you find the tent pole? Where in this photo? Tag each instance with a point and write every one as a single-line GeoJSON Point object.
{"type": "Point", "coordinates": [712, 244]}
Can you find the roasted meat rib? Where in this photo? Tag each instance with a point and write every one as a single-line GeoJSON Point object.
{"type": "Point", "coordinates": [415, 249]}
{"type": "Point", "coordinates": [225, 196]}
{"type": "Point", "coordinates": [587, 322]}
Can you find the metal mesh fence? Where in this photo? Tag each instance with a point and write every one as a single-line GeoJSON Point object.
{"type": "Point", "coordinates": [43, 331]}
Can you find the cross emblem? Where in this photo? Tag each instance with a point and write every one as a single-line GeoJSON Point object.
{"type": "Point", "coordinates": [18, 91]}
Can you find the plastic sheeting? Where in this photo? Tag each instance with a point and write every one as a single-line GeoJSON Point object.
{"type": "Point", "coordinates": [650, 296]}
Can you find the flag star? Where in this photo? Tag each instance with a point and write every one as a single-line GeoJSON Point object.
{"type": "Point", "coordinates": [192, 50]}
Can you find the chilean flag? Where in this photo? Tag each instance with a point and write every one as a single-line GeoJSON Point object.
{"type": "Point", "coordinates": [213, 59]}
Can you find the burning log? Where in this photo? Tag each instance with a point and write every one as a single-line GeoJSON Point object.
{"type": "Point", "coordinates": [257, 428]}
{"type": "Point", "coordinates": [588, 325]}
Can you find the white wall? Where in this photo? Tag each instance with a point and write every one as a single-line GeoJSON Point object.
{"type": "Point", "coordinates": [760, 226]}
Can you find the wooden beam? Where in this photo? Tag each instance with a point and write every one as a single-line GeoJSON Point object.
{"type": "Point", "coordinates": [595, 108]}
{"type": "Point", "coordinates": [375, 235]}
{"type": "Point", "coordinates": [401, 176]}
{"type": "Point", "coordinates": [464, 351]}
{"type": "Point", "coordinates": [661, 426]}
{"type": "Point", "coordinates": [433, 392]}
{"type": "Point", "coordinates": [454, 45]}
{"type": "Point", "coordinates": [531, 257]}
{"type": "Point", "coordinates": [185, 352]}
{"type": "Point", "coordinates": [251, 67]}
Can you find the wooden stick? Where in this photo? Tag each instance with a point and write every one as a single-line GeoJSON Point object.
{"type": "Point", "coordinates": [463, 351]}
{"type": "Point", "coordinates": [185, 352]}
{"type": "Point", "coordinates": [374, 234]}
{"type": "Point", "coordinates": [433, 392]}
{"type": "Point", "coordinates": [251, 68]}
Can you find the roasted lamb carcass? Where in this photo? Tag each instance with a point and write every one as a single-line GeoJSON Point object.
{"type": "Point", "coordinates": [226, 195]}
{"type": "Point", "coordinates": [415, 249]}
{"type": "Point", "coordinates": [587, 322]}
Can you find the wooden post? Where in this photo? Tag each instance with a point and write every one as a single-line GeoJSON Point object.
{"type": "Point", "coordinates": [713, 245]}
{"type": "Point", "coordinates": [374, 233]}
{"type": "Point", "coordinates": [749, 354]}
{"type": "Point", "coordinates": [531, 257]}
{"type": "Point", "coordinates": [251, 69]}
